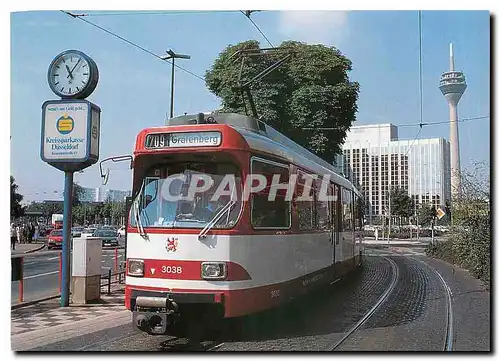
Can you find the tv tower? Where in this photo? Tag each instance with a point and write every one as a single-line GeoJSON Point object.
{"type": "Point", "coordinates": [453, 85]}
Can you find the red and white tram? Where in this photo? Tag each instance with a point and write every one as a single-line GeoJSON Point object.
{"type": "Point", "coordinates": [193, 258]}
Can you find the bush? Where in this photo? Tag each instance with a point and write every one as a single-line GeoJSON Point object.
{"type": "Point", "coordinates": [471, 246]}
{"type": "Point", "coordinates": [469, 240]}
{"type": "Point", "coordinates": [441, 250]}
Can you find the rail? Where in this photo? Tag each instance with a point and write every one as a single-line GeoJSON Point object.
{"type": "Point", "coordinates": [18, 265]}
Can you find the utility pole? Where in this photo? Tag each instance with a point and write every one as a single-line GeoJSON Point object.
{"type": "Point", "coordinates": [389, 230]}
{"type": "Point", "coordinates": [173, 56]}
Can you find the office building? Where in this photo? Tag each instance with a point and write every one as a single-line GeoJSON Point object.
{"type": "Point", "coordinates": [376, 161]}
{"type": "Point", "coordinates": [100, 194]}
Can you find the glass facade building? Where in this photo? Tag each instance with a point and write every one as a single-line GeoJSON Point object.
{"type": "Point", "coordinates": [376, 161]}
{"type": "Point", "coordinates": [99, 194]}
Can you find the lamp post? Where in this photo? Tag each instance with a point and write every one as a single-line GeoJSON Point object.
{"type": "Point", "coordinates": [173, 56]}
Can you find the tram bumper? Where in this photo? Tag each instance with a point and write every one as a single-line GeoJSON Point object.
{"type": "Point", "coordinates": [155, 314]}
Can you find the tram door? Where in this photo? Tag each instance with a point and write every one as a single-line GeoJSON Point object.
{"type": "Point", "coordinates": [335, 236]}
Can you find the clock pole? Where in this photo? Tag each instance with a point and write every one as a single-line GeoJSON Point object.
{"type": "Point", "coordinates": [70, 142]}
{"type": "Point", "coordinates": [66, 246]}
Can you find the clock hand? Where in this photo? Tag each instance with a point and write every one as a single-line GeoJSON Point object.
{"type": "Point", "coordinates": [78, 62]}
{"type": "Point", "coordinates": [69, 72]}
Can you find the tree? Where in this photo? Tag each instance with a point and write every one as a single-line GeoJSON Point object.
{"type": "Point", "coordinates": [117, 212]}
{"type": "Point", "coordinates": [16, 209]}
{"type": "Point", "coordinates": [311, 89]}
{"type": "Point", "coordinates": [77, 194]}
{"type": "Point", "coordinates": [402, 204]}
{"type": "Point", "coordinates": [48, 209]}
{"type": "Point", "coordinates": [426, 214]}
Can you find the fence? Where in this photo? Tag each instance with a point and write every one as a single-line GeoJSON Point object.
{"type": "Point", "coordinates": [119, 277]}
{"type": "Point", "coordinates": [18, 264]}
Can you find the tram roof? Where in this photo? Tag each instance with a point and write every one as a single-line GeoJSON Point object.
{"type": "Point", "coordinates": [263, 137]}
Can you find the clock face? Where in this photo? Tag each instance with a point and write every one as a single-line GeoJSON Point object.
{"type": "Point", "coordinates": [72, 75]}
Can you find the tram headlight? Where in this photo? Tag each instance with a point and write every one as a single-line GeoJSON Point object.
{"type": "Point", "coordinates": [213, 270]}
{"type": "Point", "coordinates": [135, 267]}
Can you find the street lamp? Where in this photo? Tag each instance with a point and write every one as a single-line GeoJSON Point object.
{"type": "Point", "coordinates": [173, 56]}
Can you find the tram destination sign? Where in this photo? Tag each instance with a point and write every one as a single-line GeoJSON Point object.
{"type": "Point", "coordinates": [180, 140]}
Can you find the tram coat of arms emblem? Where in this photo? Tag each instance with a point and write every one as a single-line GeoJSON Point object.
{"type": "Point", "coordinates": [172, 244]}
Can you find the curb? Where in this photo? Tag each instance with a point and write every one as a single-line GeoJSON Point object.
{"type": "Point", "coordinates": [30, 303]}
{"type": "Point", "coordinates": [36, 249]}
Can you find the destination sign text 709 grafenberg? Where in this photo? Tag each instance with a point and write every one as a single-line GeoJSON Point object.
{"type": "Point", "coordinates": [178, 140]}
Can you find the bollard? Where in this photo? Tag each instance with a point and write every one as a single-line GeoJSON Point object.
{"type": "Point", "coordinates": [116, 260]}
{"type": "Point", "coordinates": [21, 282]}
{"type": "Point", "coordinates": [109, 281]}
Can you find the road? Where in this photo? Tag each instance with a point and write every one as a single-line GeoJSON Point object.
{"type": "Point", "coordinates": [41, 273]}
{"type": "Point", "coordinates": [402, 299]}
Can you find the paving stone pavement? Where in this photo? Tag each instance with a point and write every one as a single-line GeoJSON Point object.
{"type": "Point", "coordinates": [49, 314]}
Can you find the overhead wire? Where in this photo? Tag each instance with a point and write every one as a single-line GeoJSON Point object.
{"type": "Point", "coordinates": [80, 17]}
{"type": "Point", "coordinates": [404, 125]}
{"type": "Point", "coordinates": [169, 12]}
{"type": "Point", "coordinates": [247, 15]}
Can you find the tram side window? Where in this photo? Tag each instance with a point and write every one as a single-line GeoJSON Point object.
{"type": "Point", "coordinates": [347, 223]}
{"type": "Point", "coordinates": [322, 208]}
{"type": "Point", "coordinates": [274, 213]}
{"type": "Point", "coordinates": [306, 208]}
{"type": "Point", "coordinates": [358, 213]}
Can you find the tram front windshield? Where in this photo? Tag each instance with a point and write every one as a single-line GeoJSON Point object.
{"type": "Point", "coordinates": [188, 195]}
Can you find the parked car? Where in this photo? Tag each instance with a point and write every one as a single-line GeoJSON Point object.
{"type": "Point", "coordinates": [77, 231]}
{"type": "Point", "coordinates": [89, 232]}
{"type": "Point", "coordinates": [109, 237]}
{"type": "Point", "coordinates": [55, 239]}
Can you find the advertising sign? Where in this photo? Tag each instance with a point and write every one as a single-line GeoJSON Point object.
{"type": "Point", "coordinates": [70, 133]}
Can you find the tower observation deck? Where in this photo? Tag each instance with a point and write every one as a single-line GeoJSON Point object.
{"type": "Point", "coordinates": [453, 85]}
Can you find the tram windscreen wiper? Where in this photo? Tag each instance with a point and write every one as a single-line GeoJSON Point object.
{"type": "Point", "coordinates": [227, 208]}
{"type": "Point", "coordinates": [137, 212]}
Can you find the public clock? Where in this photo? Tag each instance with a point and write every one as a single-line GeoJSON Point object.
{"type": "Point", "coordinates": [73, 74]}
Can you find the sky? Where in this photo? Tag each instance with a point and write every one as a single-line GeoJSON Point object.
{"type": "Point", "coordinates": [134, 87]}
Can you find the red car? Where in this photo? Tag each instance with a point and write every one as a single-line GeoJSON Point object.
{"type": "Point", "coordinates": [55, 239]}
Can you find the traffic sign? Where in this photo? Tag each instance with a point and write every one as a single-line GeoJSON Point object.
{"type": "Point", "coordinates": [440, 213]}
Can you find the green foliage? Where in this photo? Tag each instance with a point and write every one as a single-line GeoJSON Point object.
{"type": "Point", "coordinates": [441, 250]}
{"type": "Point", "coordinates": [469, 244]}
{"type": "Point", "coordinates": [401, 203]}
{"type": "Point", "coordinates": [311, 89]}
{"type": "Point", "coordinates": [99, 212]}
{"type": "Point", "coordinates": [426, 214]}
{"type": "Point", "coordinates": [77, 194]}
{"type": "Point", "coordinates": [48, 209]}
{"type": "Point", "coordinates": [16, 209]}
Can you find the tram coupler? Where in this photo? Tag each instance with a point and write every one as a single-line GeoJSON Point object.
{"type": "Point", "coordinates": [154, 314]}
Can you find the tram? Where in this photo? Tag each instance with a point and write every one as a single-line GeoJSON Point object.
{"type": "Point", "coordinates": [229, 218]}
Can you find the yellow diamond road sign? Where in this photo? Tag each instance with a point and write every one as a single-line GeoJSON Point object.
{"type": "Point", "coordinates": [440, 213]}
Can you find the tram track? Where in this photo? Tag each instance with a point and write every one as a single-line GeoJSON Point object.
{"type": "Point", "coordinates": [448, 340]}
{"type": "Point", "coordinates": [449, 318]}
{"type": "Point", "coordinates": [376, 306]}
{"type": "Point", "coordinates": [184, 344]}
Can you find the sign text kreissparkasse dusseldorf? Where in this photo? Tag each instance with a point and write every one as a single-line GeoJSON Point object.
{"type": "Point", "coordinates": [70, 131]}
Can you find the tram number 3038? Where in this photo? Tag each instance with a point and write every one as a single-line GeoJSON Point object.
{"type": "Point", "coordinates": [171, 269]}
